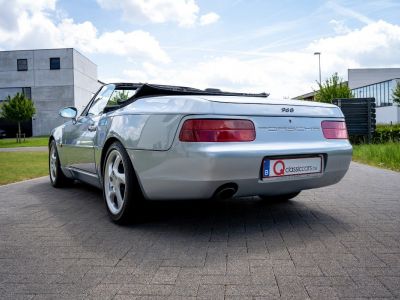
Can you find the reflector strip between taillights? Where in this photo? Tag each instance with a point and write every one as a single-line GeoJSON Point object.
{"type": "Point", "coordinates": [217, 130]}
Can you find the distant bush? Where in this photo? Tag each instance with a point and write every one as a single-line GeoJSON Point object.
{"type": "Point", "coordinates": [332, 88]}
{"type": "Point", "coordinates": [383, 134]}
{"type": "Point", "coordinates": [386, 133]}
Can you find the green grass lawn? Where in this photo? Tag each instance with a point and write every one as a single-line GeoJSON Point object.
{"type": "Point", "coordinates": [29, 142]}
{"type": "Point", "coordinates": [17, 166]}
{"type": "Point", "coordinates": [380, 155]}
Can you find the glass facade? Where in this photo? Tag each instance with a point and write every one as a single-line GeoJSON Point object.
{"type": "Point", "coordinates": [381, 91]}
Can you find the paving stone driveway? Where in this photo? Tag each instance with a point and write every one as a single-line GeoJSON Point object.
{"type": "Point", "coordinates": [337, 242]}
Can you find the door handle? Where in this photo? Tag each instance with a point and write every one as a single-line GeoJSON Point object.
{"type": "Point", "coordinates": [92, 128]}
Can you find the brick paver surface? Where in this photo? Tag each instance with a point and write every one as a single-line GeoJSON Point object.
{"type": "Point", "coordinates": [337, 242]}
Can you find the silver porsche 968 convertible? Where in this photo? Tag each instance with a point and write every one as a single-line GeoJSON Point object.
{"type": "Point", "coordinates": [152, 142]}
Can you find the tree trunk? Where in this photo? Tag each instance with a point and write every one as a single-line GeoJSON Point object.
{"type": "Point", "coordinates": [19, 132]}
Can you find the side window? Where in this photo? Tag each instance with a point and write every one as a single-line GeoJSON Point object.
{"type": "Point", "coordinates": [120, 95]}
{"type": "Point", "coordinates": [101, 100]}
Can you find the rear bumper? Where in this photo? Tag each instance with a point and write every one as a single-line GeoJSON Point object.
{"type": "Point", "coordinates": [197, 170]}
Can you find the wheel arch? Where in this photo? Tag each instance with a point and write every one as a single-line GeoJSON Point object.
{"type": "Point", "coordinates": [51, 138]}
{"type": "Point", "coordinates": [104, 151]}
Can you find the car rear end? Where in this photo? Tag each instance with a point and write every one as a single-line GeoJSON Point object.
{"type": "Point", "coordinates": [251, 147]}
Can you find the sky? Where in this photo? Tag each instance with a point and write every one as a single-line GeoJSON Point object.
{"type": "Point", "coordinates": [235, 45]}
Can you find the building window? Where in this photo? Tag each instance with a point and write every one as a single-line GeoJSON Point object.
{"type": "Point", "coordinates": [54, 63]}
{"type": "Point", "coordinates": [4, 92]}
{"type": "Point", "coordinates": [22, 64]}
{"type": "Point", "coordinates": [27, 92]}
{"type": "Point", "coordinates": [386, 92]}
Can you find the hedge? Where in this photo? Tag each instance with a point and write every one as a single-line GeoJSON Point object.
{"type": "Point", "coordinates": [382, 134]}
{"type": "Point", "coordinates": [386, 133]}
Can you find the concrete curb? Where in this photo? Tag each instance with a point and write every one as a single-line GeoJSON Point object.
{"type": "Point", "coordinates": [25, 149]}
{"type": "Point", "coordinates": [23, 181]}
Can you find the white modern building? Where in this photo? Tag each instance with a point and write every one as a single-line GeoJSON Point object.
{"type": "Point", "coordinates": [378, 83]}
{"type": "Point", "coordinates": [52, 78]}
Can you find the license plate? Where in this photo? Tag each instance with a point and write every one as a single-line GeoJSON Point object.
{"type": "Point", "coordinates": [291, 166]}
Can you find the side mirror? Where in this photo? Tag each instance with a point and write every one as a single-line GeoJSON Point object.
{"type": "Point", "coordinates": [69, 112]}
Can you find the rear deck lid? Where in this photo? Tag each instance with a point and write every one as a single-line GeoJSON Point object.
{"type": "Point", "coordinates": [272, 107]}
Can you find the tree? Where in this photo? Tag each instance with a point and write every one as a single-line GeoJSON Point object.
{"type": "Point", "coordinates": [396, 93]}
{"type": "Point", "coordinates": [119, 97]}
{"type": "Point", "coordinates": [18, 109]}
{"type": "Point", "coordinates": [332, 88]}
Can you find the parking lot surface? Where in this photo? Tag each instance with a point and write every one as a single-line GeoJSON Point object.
{"type": "Point", "coordinates": [337, 242]}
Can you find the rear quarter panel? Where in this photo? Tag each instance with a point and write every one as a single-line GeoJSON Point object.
{"type": "Point", "coordinates": [142, 132]}
{"type": "Point", "coordinates": [149, 123]}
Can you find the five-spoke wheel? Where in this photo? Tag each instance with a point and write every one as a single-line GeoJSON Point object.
{"type": "Point", "coordinates": [120, 188]}
{"type": "Point", "coordinates": [57, 177]}
{"type": "Point", "coordinates": [53, 163]}
{"type": "Point", "coordinates": [114, 182]}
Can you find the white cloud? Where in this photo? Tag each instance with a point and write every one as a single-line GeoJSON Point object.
{"type": "Point", "coordinates": [282, 74]}
{"type": "Point", "coordinates": [339, 26]}
{"type": "Point", "coordinates": [376, 44]}
{"type": "Point", "coordinates": [209, 18]}
{"type": "Point", "coordinates": [288, 73]}
{"type": "Point", "coordinates": [11, 10]}
{"type": "Point", "coordinates": [34, 28]}
{"type": "Point", "coordinates": [183, 12]}
{"type": "Point", "coordinates": [137, 43]}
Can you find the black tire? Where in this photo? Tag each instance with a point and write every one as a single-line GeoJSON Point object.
{"type": "Point", "coordinates": [57, 177]}
{"type": "Point", "coordinates": [132, 196]}
{"type": "Point", "coordinates": [280, 198]}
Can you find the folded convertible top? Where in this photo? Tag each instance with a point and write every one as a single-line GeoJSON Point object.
{"type": "Point", "coordinates": [151, 90]}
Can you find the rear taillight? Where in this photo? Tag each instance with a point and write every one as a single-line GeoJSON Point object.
{"type": "Point", "coordinates": [334, 129]}
{"type": "Point", "coordinates": [217, 130]}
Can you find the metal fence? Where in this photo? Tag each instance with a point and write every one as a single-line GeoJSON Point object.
{"type": "Point", "coordinates": [360, 116]}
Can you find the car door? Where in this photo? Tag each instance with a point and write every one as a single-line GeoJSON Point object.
{"type": "Point", "coordinates": [79, 136]}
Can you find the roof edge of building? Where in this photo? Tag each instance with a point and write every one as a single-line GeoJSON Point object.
{"type": "Point", "coordinates": [40, 49]}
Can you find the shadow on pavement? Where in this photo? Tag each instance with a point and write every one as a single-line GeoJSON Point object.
{"type": "Point", "coordinates": [81, 203]}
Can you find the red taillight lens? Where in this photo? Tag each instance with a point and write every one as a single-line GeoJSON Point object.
{"type": "Point", "coordinates": [217, 130]}
{"type": "Point", "coordinates": [334, 129]}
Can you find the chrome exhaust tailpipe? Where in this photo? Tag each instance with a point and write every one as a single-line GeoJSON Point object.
{"type": "Point", "coordinates": [226, 191]}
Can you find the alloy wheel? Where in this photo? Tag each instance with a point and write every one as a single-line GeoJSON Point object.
{"type": "Point", "coordinates": [53, 163]}
{"type": "Point", "coordinates": [114, 182]}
